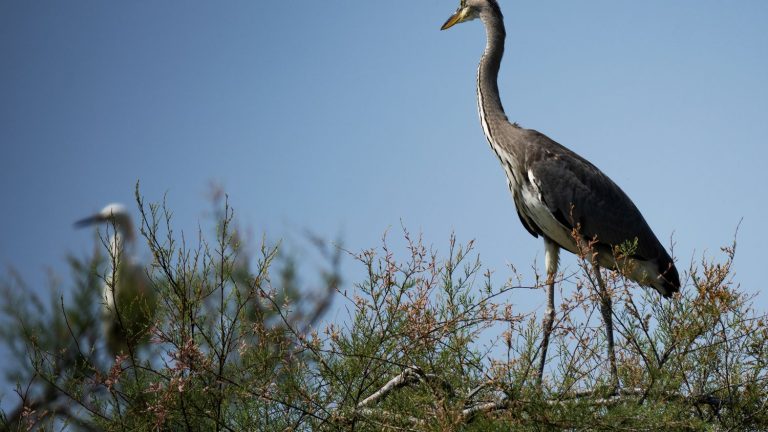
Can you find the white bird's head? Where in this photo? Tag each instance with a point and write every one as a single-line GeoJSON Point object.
{"type": "Point", "coordinates": [115, 214]}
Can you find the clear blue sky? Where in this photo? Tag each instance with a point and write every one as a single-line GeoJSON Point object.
{"type": "Point", "coordinates": [346, 117]}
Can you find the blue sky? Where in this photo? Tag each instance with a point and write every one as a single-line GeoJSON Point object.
{"type": "Point", "coordinates": [346, 117]}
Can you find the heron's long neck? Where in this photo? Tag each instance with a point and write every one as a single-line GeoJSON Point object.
{"type": "Point", "coordinates": [488, 101]}
{"type": "Point", "coordinates": [122, 237]}
{"type": "Point", "coordinates": [120, 243]}
{"type": "Point", "coordinates": [115, 257]}
{"type": "Point", "coordinates": [116, 245]}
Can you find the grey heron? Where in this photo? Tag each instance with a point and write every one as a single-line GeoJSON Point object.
{"type": "Point", "coordinates": [561, 196]}
{"type": "Point", "coordinates": [129, 299]}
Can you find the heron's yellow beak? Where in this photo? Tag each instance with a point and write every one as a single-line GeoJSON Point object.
{"type": "Point", "coordinates": [460, 16]}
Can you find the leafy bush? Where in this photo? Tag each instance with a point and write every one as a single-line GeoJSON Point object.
{"type": "Point", "coordinates": [428, 342]}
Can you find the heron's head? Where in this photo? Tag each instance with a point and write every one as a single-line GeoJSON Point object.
{"type": "Point", "coordinates": [115, 214]}
{"type": "Point", "coordinates": [469, 10]}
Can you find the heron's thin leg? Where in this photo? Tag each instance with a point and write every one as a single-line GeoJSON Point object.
{"type": "Point", "coordinates": [606, 310]}
{"type": "Point", "coordinates": [551, 257]}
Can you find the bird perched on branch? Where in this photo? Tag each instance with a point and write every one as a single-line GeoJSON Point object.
{"type": "Point", "coordinates": [561, 196]}
{"type": "Point", "coordinates": [129, 299]}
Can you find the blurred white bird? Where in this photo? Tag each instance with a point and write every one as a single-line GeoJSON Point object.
{"type": "Point", "coordinates": [129, 299]}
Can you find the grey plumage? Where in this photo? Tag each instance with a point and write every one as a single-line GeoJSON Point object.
{"type": "Point", "coordinates": [561, 196]}
{"type": "Point", "coordinates": [555, 189]}
{"type": "Point", "coordinates": [578, 194]}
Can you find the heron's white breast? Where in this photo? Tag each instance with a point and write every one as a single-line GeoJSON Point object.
{"type": "Point", "coordinates": [537, 210]}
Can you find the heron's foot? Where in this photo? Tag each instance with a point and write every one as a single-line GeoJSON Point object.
{"type": "Point", "coordinates": [612, 387]}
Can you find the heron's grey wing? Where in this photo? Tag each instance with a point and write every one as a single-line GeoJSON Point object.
{"type": "Point", "coordinates": [577, 192]}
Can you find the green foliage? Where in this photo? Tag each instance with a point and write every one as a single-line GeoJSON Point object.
{"type": "Point", "coordinates": [422, 342]}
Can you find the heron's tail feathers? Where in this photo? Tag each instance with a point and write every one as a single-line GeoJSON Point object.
{"type": "Point", "coordinates": [668, 279]}
{"type": "Point", "coordinates": [660, 274]}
